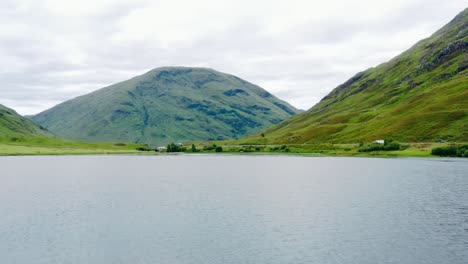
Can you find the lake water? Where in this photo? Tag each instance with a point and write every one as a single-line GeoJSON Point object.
{"type": "Point", "coordinates": [232, 209]}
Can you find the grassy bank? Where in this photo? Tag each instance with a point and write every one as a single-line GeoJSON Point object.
{"type": "Point", "coordinates": [345, 150]}
{"type": "Point", "coordinates": [53, 146]}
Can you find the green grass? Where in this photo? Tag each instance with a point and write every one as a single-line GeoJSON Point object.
{"type": "Point", "coordinates": [21, 136]}
{"type": "Point", "coordinates": [323, 149]}
{"type": "Point", "coordinates": [418, 96]}
{"type": "Point", "coordinates": [13, 124]}
{"type": "Point", "coordinates": [53, 146]}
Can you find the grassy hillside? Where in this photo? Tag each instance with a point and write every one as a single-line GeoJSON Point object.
{"type": "Point", "coordinates": [168, 105]}
{"type": "Point", "coordinates": [21, 136]}
{"type": "Point", "coordinates": [13, 124]}
{"type": "Point", "coordinates": [420, 95]}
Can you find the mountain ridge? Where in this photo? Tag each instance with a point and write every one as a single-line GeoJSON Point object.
{"type": "Point", "coordinates": [14, 125]}
{"type": "Point", "coordinates": [168, 104]}
{"type": "Point", "coordinates": [419, 95]}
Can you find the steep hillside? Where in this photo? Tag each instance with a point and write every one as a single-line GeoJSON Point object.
{"type": "Point", "coordinates": [166, 105]}
{"type": "Point", "coordinates": [420, 95]}
{"type": "Point", "coordinates": [14, 125]}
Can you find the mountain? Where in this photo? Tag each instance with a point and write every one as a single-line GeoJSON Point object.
{"type": "Point", "coordinates": [168, 104]}
{"type": "Point", "coordinates": [13, 124]}
{"type": "Point", "coordinates": [420, 95]}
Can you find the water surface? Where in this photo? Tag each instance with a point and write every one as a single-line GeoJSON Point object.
{"type": "Point", "coordinates": [232, 209]}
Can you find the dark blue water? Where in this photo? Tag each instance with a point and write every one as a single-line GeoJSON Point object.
{"type": "Point", "coordinates": [232, 209]}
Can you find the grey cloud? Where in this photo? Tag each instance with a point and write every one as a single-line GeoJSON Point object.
{"type": "Point", "coordinates": [55, 58]}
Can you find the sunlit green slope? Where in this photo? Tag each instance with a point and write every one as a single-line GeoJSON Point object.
{"type": "Point", "coordinates": [13, 124]}
{"type": "Point", "coordinates": [420, 95]}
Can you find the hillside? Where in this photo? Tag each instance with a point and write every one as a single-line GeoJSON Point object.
{"type": "Point", "coordinates": [420, 95]}
{"type": "Point", "coordinates": [168, 104]}
{"type": "Point", "coordinates": [14, 125]}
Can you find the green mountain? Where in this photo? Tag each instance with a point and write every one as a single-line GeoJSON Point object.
{"type": "Point", "coordinates": [168, 104]}
{"type": "Point", "coordinates": [13, 125]}
{"type": "Point", "coordinates": [420, 95]}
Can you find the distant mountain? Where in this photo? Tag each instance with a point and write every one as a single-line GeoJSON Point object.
{"type": "Point", "coordinates": [420, 95]}
{"type": "Point", "coordinates": [168, 104]}
{"type": "Point", "coordinates": [13, 125]}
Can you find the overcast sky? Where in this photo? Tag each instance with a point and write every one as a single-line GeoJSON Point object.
{"type": "Point", "coordinates": [55, 50]}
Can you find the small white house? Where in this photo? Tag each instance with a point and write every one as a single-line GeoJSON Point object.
{"type": "Point", "coordinates": [380, 141]}
{"type": "Point", "coordinates": [161, 148]}
{"type": "Point", "coordinates": [179, 144]}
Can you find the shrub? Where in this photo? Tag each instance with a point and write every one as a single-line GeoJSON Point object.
{"type": "Point", "coordinates": [219, 149]}
{"type": "Point", "coordinates": [371, 147]}
{"type": "Point", "coordinates": [392, 146]}
{"type": "Point", "coordinates": [208, 148]}
{"type": "Point", "coordinates": [451, 151]}
{"type": "Point", "coordinates": [16, 139]}
{"type": "Point", "coordinates": [194, 149]}
{"type": "Point", "coordinates": [247, 149]}
{"type": "Point", "coordinates": [174, 148]}
{"type": "Point", "coordinates": [444, 151]}
{"type": "Point", "coordinates": [389, 145]}
{"type": "Point", "coordinates": [282, 148]}
{"type": "Point", "coordinates": [144, 149]}
{"type": "Point", "coordinates": [462, 151]}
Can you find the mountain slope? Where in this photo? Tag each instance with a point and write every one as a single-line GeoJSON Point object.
{"type": "Point", "coordinates": [13, 125]}
{"type": "Point", "coordinates": [168, 104]}
{"type": "Point", "coordinates": [420, 95]}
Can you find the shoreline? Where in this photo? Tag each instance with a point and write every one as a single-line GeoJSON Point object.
{"type": "Point", "coordinates": [411, 150]}
{"type": "Point", "coordinates": [289, 154]}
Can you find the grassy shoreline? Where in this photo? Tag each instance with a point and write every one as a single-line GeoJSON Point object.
{"type": "Point", "coordinates": [330, 150]}
{"type": "Point", "coordinates": [53, 146]}
{"type": "Point", "coordinates": [27, 146]}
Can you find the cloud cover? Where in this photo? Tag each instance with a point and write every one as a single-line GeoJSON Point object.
{"type": "Point", "coordinates": [55, 50]}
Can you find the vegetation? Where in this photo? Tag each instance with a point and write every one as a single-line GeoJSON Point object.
{"type": "Point", "coordinates": [53, 146]}
{"type": "Point", "coordinates": [145, 148]}
{"type": "Point", "coordinates": [194, 149]}
{"type": "Point", "coordinates": [418, 96]}
{"type": "Point", "coordinates": [14, 125]}
{"type": "Point", "coordinates": [451, 151]}
{"type": "Point", "coordinates": [172, 147]}
{"type": "Point", "coordinates": [21, 136]}
{"type": "Point", "coordinates": [209, 147]}
{"type": "Point", "coordinates": [166, 105]}
{"type": "Point", "coordinates": [324, 149]}
{"type": "Point", "coordinates": [388, 145]}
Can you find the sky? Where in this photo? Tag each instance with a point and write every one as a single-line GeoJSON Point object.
{"type": "Point", "coordinates": [54, 50]}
